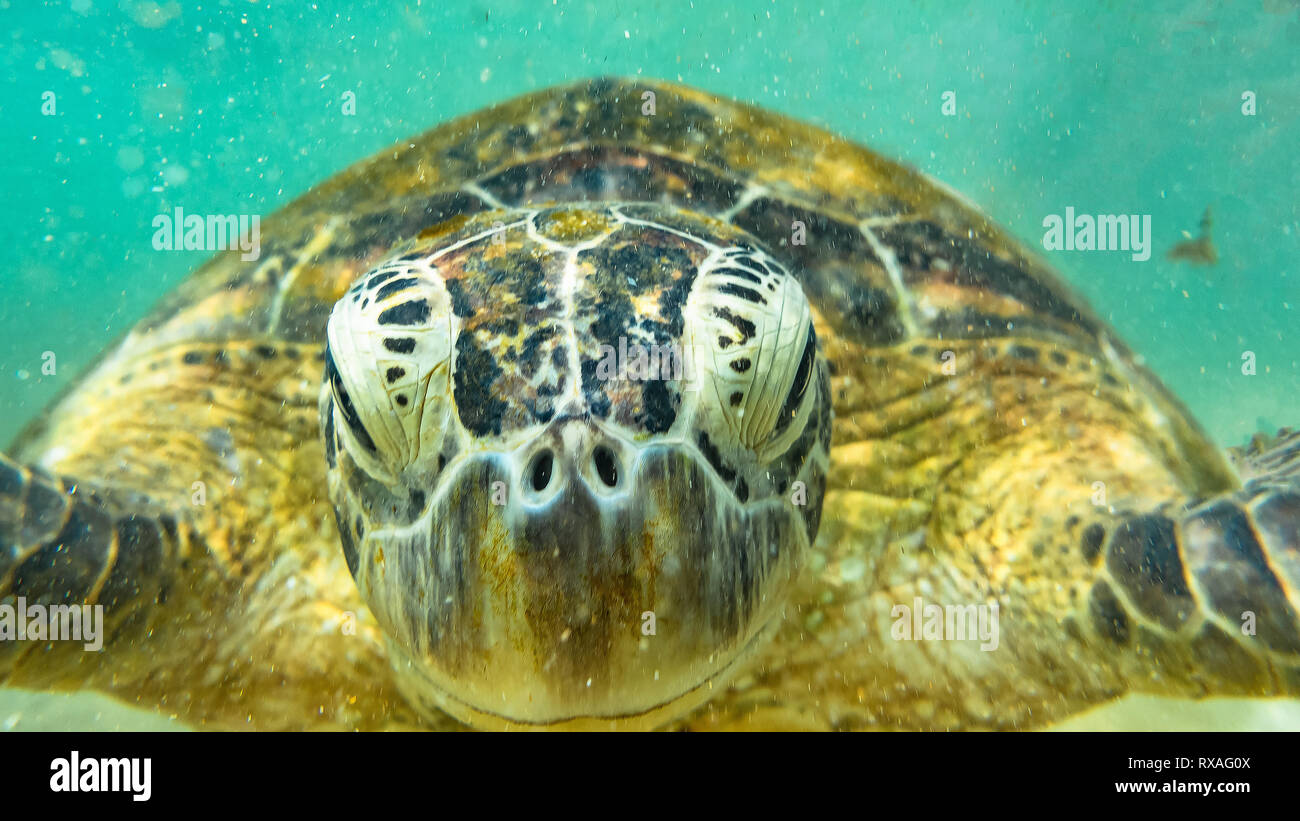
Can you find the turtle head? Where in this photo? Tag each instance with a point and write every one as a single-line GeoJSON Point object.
{"type": "Point", "coordinates": [577, 458]}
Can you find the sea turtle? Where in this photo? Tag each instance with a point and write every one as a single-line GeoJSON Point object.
{"type": "Point", "coordinates": [624, 405]}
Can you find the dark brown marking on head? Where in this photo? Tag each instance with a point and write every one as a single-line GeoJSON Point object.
{"type": "Point", "coordinates": [476, 374]}
{"type": "Point", "coordinates": [379, 279]}
{"type": "Point", "coordinates": [745, 326]}
{"type": "Point", "coordinates": [461, 305]}
{"type": "Point", "coordinates": [415, 312]}
{"type": "Point", "coordinates": [740, 291]}
{"type": "Point", "coordinates": [396, 287]}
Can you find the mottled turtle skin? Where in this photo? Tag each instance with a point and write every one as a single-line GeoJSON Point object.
{"type": "Point", "coordinates": [990, 441]}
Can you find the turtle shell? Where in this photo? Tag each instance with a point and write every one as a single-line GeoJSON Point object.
{"type": "Point", "coordinates": [899, 255]}
{"type": "Point", "coordinates": [886, 256]}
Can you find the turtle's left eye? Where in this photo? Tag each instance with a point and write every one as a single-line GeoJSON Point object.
{"type": "Point", "coordinates": [387, 364]}
{"type": "Point", "coordinates": [344, 402]}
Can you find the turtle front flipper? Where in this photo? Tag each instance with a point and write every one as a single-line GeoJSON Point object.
{"type": "Point", "coordinates": [80, 570]}
{"type": "Point", "coordinates": [1240, 559]}
{"type": "Point", "coordinates": [198, 519]}
{"type": "Point", "coordinates": [1203, 598]}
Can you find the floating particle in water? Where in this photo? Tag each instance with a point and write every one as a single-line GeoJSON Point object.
{"type": "Point", "coordinates": [23, 375]}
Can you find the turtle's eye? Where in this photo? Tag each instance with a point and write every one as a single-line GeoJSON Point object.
{"type": "Point", "coordinates": [802, 377]}
{"type": "Point", "coordinates": [344, 403]}
{"type": "Point", "coordinates": [751, 331]}
{"type": "Point", "coordinates": [386, 364]}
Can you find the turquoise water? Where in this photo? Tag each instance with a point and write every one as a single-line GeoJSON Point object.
{"type": "Point", "coordinates": [235, 107]}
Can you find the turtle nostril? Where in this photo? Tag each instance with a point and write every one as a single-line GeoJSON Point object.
{"type": "Point", "coordinates": [542, 470]}
{"type": "Point", "coordinates": [606, 465]}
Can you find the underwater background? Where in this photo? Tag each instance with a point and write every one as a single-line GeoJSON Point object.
{"type": "Point", "coordinates": [236, 107]}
